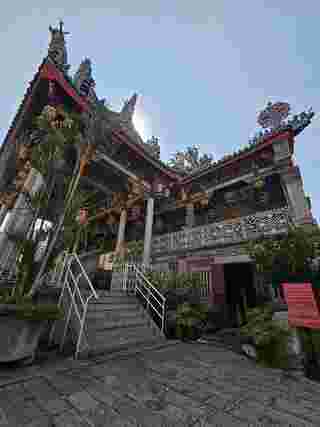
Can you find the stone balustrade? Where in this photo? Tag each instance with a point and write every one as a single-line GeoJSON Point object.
{"type": "Point", "coordinates": [224, 233]}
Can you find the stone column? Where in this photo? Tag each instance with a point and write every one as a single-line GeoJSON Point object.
{"type": "Point", "coordinates": [190, 218]}
{"type": "Point", "coordinates": [121, 229]}
{"type": "Point", "coordinates": [148, 232]}
{"type": "Point", "coordinates": [294, 192]}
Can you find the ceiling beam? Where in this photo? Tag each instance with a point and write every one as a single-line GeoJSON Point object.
{"type": "Point", "coordinates": [119, 167]}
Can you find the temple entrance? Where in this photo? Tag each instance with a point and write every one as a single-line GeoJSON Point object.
{"type": "Point", "coordinates": [239, 290]}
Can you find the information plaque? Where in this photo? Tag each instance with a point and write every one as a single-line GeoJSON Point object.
{"type": "Point", "coordinates": [303, 308]}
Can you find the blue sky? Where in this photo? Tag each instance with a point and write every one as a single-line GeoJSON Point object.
{"type": "Point", "coordinates": [203, 69]}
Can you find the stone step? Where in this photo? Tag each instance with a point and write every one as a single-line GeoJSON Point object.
{"type": "Point", "coordinates": [110, 315]}
{"type": "Point", "coordinates": [110, 297]}
{"type": "Point", "coordinates": [97, 325]}
{"type": "Point", "coordinates": [124, 351]}
{"type": "Point", "coordinates": [129, 346]}
{"type": "Point", "coordinates": [106, 293]}
{"type": "Point", "coordinates": [112, 307]}
{"type": "Point", "coordinates": [115, 300]}
{"type": "Point", "coordinates": [115, 292]}
{"type": "Point", "coordinates": [118, 336]}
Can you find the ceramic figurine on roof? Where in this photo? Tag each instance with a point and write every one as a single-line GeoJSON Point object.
{"type": "Point", "coordinates": [153, 147]}
{"type": "Point", "coordinates": [128, 108]}
{"type": "Point", "coordinates": [274, 115]}
{"type": "Point", "coordinates": [190, 160]}
{"type": "Point", "coordinates": [57, 47]}
{"type": "Point", "coordinates": [83, 78]}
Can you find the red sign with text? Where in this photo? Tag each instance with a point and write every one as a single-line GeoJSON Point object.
{"type": "Point", "coordinates": [303, 309]}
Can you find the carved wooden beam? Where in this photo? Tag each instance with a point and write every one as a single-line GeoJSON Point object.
{"type": "Point", "coordinates": [187, 198]}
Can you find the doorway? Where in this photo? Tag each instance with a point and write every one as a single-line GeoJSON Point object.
{"type": "Point", "coordinates": [240, 291]}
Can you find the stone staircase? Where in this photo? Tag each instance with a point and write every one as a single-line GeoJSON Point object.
{"type": "Point", "coordinates": [116, 321]}
{"type": "Point", "coordinates": [113, 320]}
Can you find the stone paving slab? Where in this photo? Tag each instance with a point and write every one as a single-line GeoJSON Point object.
{"type": "Point", "coordinates": [198, 385]}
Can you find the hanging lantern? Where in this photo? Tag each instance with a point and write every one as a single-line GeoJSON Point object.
{"type": "Point", "coordinates": [82, 217]}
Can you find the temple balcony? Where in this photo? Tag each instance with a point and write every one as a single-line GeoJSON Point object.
{"type": "Point", "coordinates": [238, 230]}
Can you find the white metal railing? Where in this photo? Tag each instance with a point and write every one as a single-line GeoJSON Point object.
{"type": "Point", "coordinates": [151, 296]}
{"type": "Point", "coordinates": [128, 275]}
{"type": "Point", "coordinates": [74, 299]}
{"type": "Point", "coordinates": [204, 288]}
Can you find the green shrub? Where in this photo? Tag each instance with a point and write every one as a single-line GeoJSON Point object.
{"type": "Point", "coordinates": [24, 308]}
{"type": "Point", "coordinates": [38, 312]}
{"type": "Point", "coordinates": [174, 280]}
{"type": "Point", "coordinates": [190, 319]}
{"type": "Point", "coordinates": [270, 338]}
{"type": "Point", "coordinates": [310, 341]}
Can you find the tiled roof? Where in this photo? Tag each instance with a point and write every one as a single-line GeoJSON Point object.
{"type": "Point", "coordinates": [22, 105]}
{"type": "Point", "coordinates": [295, 125]}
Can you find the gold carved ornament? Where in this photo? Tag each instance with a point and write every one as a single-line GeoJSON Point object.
{"type": "Point", "coordinates": [185, 198]}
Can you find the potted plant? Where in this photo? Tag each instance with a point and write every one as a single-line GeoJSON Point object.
{"type": "Point", "coordinates": [265, 340]}
{"type": "Point", "coordinates": [23, 319]}
{"type": "Point", "coordinates": [190, 321]}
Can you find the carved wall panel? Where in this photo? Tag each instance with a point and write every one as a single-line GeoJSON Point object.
{"type": "Point", "coordinates": [223, 233]}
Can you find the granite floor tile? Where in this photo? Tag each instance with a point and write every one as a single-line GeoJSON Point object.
{"type": "Point", "coordinates": [55, 406]}
{"type": "Point", "coordinates": [189, 385]}
{"type": "Point", "coordinates": [254, 412]}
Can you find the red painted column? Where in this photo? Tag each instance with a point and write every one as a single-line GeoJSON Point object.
{"type": "Point", "coordinates": [217, 288]}
{"type": "Point", "coordinates": [182, 265]}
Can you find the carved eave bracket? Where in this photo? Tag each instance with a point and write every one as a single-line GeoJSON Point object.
{"type": "Point", "coordinates": [133, 197]}
{"type": "Point", "coordinates": [186, 197]}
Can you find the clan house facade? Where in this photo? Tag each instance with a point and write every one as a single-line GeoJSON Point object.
{"type": "Point", "coordinates": [196, 221]}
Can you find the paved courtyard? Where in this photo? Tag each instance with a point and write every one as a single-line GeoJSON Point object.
{"type": "Point", "coordinates": [177, 385]}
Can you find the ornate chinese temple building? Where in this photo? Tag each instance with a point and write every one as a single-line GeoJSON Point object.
{"type": "Point", "coordinates": [195, 219]}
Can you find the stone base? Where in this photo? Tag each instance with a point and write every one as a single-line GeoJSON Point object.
{"type": "Point", "coordinates": [19, 338]}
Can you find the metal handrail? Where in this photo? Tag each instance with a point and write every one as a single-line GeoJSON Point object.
{"type": "Point", "coordinates": [152, 292]}
{"type": "Point", "coordinates": [77, 305]}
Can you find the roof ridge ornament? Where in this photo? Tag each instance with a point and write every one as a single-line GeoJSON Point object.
{"type": "Point", "coordinates": [153, 147]}
{"type": "Point", "coordinates": [274, 115]}
{"type": "Point", "coordinates": [129, 108]}
{"type": "Point", "coordinates": [57, 47]}
{"type": "Point", "coordinates": [83, 79]}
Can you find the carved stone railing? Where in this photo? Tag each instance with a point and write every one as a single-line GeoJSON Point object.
{"type": "Point", "coordinates": [224, 233]}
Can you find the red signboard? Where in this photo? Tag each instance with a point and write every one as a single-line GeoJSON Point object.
{"type": "Point", "coordinates": [303, 309]}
